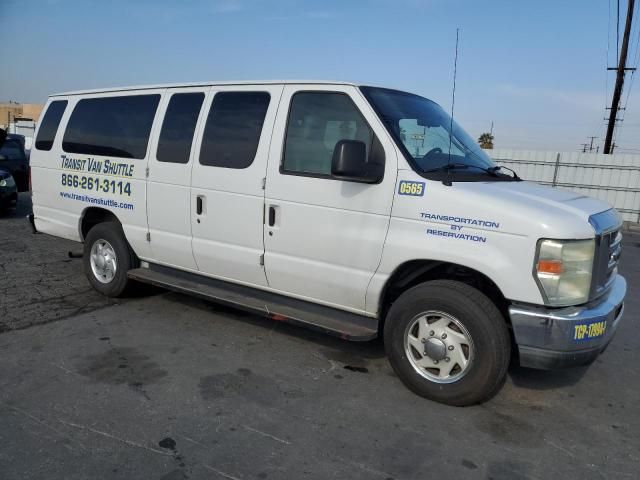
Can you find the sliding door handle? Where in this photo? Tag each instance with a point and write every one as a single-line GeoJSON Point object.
{"type": "Point", "coordinates": [272, 216]}
{"type": "Point", "coordinates": [199, 204]}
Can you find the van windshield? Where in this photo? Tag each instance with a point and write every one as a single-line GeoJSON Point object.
{"type": "Point", "coordinates": [428, 137]}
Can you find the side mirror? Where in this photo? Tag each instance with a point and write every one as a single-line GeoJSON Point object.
{"type": "Point", "coordinates": [349, 162]}
{"type": "Point", "coordinates": [3, 136]}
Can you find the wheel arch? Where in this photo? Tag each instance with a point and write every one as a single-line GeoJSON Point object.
{"type": "Point", "coordinates": [92, 216]}
{"type": "Point", "coordinates": [414, 272]}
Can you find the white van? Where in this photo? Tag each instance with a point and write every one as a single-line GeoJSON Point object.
{"type": "Point", "coordinates": [355, 210]}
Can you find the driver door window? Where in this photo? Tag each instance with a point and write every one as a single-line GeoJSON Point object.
{"type": "Point", "coordinates": [317, 122]}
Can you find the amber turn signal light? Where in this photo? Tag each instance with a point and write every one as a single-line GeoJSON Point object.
{"type": "Point", "coordinates": [550, 266]}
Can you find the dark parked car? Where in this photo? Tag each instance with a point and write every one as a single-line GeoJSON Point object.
{"type": "Point", "coordinates": [13, 159]}
{"type": "Point", "coordinates": [19, 138]}
{"type": "Point", "coordinates": [8, 190]}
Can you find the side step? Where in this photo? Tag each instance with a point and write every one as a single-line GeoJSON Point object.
{"type": "Point", "coordinates": [346, 325]}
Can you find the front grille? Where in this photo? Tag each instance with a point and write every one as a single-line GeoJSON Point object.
{"type": "Point", "coordinates": [607, 254]}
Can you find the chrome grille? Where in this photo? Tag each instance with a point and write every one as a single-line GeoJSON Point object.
{"type": "Point", "coordinates": [608, 249]}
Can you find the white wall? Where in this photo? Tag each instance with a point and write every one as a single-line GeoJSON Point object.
{"type": "Point", "coordinates": [25, 128]}
{"type": "Point", "coordinates": [613, 178]}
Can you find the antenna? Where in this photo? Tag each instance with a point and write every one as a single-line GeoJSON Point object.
{"type": "Point", "coordinates": [453, 103]}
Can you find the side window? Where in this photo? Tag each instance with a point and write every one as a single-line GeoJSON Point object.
{"type": "Point", "coordinates": [49, 125]}
{"type": "Point", "coordinates": [178, 126]}
{"type": "Point", "coordinates": [233, 129]}
{"type": "Point", "coordinates": [111, 126]}
{"type": "Point", "coordinates": [317, 122]}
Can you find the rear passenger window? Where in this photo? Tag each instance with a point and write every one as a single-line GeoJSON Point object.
{"type": "Point", "coordinates": [233, 129]}
{"type": "Point", "coordinates": [178, 126]}
{"type": "Point", "coordinates": [49, 125]}
{"type": "Point", "coordinates": [317, 122]}
{"type": "Point", "coordinates": [111, 126]}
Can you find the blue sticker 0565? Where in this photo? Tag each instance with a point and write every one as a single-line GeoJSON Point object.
{"type": "Point", "coordinates": [415, 189]}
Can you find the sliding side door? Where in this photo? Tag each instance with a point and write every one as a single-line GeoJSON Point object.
{"type": "Point", "coordinates": [169, 177]}
{"type": "Point", "coordinates": [227, 182]}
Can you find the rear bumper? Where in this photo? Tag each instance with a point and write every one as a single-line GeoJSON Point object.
{"type": "Point", "coordinates": [567, 337]}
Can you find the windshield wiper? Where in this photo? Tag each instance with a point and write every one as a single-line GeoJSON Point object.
{"type": "Point", "coordinates": [493, 171]}
{"type": "Point", "coordinates": [459, 166]}
{"type": "Point", "coordinates": [499, 167]}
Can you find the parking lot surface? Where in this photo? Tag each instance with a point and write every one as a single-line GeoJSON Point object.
{"type": "Point", "coordinates": [164, 386]}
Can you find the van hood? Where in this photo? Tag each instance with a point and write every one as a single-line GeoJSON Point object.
{"type": "Point", "coordinates": [569, 201]}
{"type": "Point", "coordinates": [545, 210]}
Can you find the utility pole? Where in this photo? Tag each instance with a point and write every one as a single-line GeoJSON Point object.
{"type": "Point", "coordinates": [591, 143]}
{"type": "Point", "coordinates": [584, 147]}
{"type": "Point", "coordinates": [621, 69]}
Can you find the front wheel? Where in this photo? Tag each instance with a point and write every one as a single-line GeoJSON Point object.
{"type": "Point", "coordinates": [448, 342]}
{"type": "Point", "coordinates": [107, 259]}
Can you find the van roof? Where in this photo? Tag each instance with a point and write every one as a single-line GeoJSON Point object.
{"type": "Point", "coordinates": [202, 84]}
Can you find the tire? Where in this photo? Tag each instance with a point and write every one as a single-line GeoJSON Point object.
{"type": "Point", "coordinates": [121, 258]}
{"type": "Point", "coordinates": [457, 313]}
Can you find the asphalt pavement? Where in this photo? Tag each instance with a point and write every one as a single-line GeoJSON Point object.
{"type": "Point", "coordinates": [164, 386]}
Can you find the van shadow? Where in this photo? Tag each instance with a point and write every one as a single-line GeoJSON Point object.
{"type": "Point", "coordinates": [348, 352]}
{"type": "Point", "coordinates": [544, 379]}
{"type": "Point", "coordinates": [22, 209]}
{"type": "Point", "coordinates": [343, 350]}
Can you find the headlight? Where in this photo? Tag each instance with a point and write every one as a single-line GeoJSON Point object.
{"type": "Point", "coordinates": [7, 182]}
{"type": "Point", "coordinates": [563, 270]}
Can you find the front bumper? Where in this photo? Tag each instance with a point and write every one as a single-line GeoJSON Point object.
{"type": "Point", "coordinates": [8, 196]}
{"type": "Point", "coordinates": [566, 337]}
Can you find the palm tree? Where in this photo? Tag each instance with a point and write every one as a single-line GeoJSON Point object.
{"type": "Point", "coordinates": [486, 141]}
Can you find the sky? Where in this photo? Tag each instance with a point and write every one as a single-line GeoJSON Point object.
{"type": "Point", "coordinates": [537, 70]}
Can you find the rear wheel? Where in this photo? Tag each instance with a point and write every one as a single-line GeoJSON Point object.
{"type": "Point", "coordinates": [107, 259]}
{"type": "Point", "coordinates": [448, 342]}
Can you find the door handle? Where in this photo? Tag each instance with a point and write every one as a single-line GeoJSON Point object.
{"type": "Point", "coordinates": [272, 216]}
{"type": "Point", "coordinates": [199, 204]}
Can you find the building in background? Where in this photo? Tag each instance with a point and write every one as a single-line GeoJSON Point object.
{"type": "Point", "coordinates": [9, 111]}
{"type": "Point", "coordinates": [21, 119]}
{"type": "Point", "coordinates": [32, 111]}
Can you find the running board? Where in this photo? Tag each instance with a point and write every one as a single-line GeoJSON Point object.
{"type": "Point", "coordinates": [346, 325]}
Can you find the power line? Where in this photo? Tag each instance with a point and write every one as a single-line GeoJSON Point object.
{"type": "Point", "coordinates": [637, 55]}
{"type": "Point", "coordinates": [618, 33]}
{"type": "Point", "coordinates": [608, 34]}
